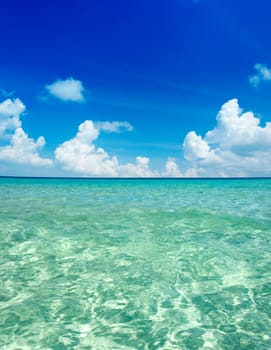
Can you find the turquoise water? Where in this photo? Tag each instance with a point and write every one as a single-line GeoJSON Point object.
{"type": "Point", "coordinates": [135, 264]}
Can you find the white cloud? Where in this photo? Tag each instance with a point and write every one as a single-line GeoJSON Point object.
{"type": "Point", "coordinates": [24, 150]}
{"type": "Point", "coordinates": [139, 169]}
{"type": "Point", "coordinates": [263, 74]}
{"type": "Point", "coordinates": [20, 148]}
{"type": "Point", "coordinates": [114, 126]}
{"type": "Point", "coordinates": [236, 130]}
{"type": "Point", "coordinates": [171, 169]}
{"type": "Point", "coordinates": [80, 155]}
{"type": "Point", "coordinates": [237, 146]}
{"type": "Point", "coordinates": [195, 148]}
{"type": "Point", "coordinates": [10, 111]}
{"type": "Point", "coordinates": [67, 90]}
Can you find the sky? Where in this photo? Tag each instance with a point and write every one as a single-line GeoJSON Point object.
{"type": "Point", "coordinates": [100, 88]}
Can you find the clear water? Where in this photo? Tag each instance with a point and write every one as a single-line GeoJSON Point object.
{"type": "Point", "coordinates": [135, 264]}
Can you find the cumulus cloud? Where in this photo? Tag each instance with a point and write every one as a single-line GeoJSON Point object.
{"type": "Point", "coordinates": [263, 73]}
{"type": "Point", "coordinates": [237, 130]}
{"type": "Point", "coordinates": [139, 169]}
{"type": "Point", "coordinates": [171, 169]}
{"type": "Point", "coordinates": [237, 146]}
{"type": "Point", "coordinates": [80, 155]}
{"type": "Point", "coordinates": [67, 90]}
{"type": "Point", "coordinates": [20, 149]}
{"type": "Point", "coordinates": [114, 126]}
{"type": "Point", "coordinates": [24, 150]}
{"type": "Point", "coordinates": [196, 148]}
{"type": "Point", "coordinates": [10, 111]}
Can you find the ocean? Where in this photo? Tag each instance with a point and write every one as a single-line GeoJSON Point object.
{"type": "Point", "coordinates": [135, 264]}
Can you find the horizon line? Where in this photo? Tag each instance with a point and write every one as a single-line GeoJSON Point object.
{"type": "Point", "coordinates": [134, 178]}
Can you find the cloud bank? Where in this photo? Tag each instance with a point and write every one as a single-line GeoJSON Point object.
{"type": "Point", "coordinates": [78, 155]}
{"type": "Point", "coordinates": [237, 146]}
{"type": "Point", "coordinates": [67, 90]}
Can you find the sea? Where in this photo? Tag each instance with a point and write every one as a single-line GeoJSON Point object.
{"type": "Point", "coordinates": [135, 264]}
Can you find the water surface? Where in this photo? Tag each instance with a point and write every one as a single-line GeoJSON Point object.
{"type": "Point", "coordinates": [135, 264]}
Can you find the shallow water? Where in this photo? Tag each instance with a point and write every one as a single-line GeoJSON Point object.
{"type": "Point", "coordinates": [135, 264]}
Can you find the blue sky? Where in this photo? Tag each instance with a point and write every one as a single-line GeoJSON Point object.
{"type": "Point", "coordinates": [135, 88]}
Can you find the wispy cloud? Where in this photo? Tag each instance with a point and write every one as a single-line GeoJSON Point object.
{"type": "Point", "coordinates": [67, 90]}
{"type": "Point", "coordinates": [263, 74]}
{"type": "Point", "coordinates": [6, 94]}
{"type": "Point", "coordinates": [114, 126]}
